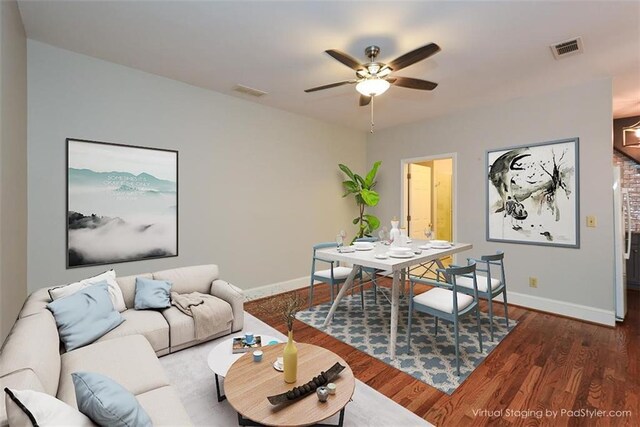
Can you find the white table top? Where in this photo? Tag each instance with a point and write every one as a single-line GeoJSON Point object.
{"type": "Point", "coordinates": [221, 357]}
{"type": "Point", "coordinates": [368, 259]}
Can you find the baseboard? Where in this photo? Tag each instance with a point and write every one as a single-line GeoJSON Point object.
{"type": "Point", "coordinates": [276, 288]}
{"type": "Point", "coordinates": [576, 311]}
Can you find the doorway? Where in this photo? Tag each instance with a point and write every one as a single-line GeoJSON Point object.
{"type": "Point", "coordinates": [428, 202]}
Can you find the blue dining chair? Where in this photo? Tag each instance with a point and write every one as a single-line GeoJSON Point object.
{"type": "Point", "coordinates": [445, 302]}
{"type": "Point", "coordinates": [334, 275]}
{"type": "Point", "coordinates": [371, 272]}
{"type": "Point", "coordinates": [489, 285]}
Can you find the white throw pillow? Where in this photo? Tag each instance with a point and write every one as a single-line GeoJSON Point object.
{"type": "Point", "coordinates": [27, 406]}
{"type": "Point", "coordinates": [108, 276]}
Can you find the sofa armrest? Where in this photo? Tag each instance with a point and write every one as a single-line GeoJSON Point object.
{"type": "Point", "coordinates": [234, 296]}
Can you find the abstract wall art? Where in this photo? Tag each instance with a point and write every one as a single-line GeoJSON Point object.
{"type": "Point", "coordinates": [122, 203]}
{"type": "Point", "coordinates": [533, 194]}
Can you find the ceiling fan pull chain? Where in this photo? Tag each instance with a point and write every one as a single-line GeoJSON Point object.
{"type": "Point", "coordinates": [372, 124]}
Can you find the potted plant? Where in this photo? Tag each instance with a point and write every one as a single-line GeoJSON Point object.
{"type": "Point", "coordinates": [362, 189]}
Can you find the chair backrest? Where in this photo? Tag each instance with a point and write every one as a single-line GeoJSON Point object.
{"type": "Point", "coordinates": [496, 260]}
{"type": "Point", "coordinates": [464, 271]}
{"type": "Point", "coordinates": [316, 258]}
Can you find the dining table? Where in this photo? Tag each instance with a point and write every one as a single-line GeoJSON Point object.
{"type": "Point", "coordinates": [378, 257]}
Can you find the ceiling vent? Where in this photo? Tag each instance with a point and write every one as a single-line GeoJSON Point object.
{"type": "Point", "coordinates": [567, 48]}
{"type": "Point", "coordinates": [249, 91]}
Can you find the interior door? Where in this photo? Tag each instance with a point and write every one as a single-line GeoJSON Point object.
{"type": "Point", "coordinates": [443, 170]}
{"type": "Point", "coordinates": [419, 200]}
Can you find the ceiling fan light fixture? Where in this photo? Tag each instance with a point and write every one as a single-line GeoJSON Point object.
{"type": "Point", "coordinates": [372, 87]}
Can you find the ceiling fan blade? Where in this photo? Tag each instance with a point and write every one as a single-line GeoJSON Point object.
{"type": "Point", "coordinates": [364, 100]}
{"type": "Point", "coordinates": [414, 56]}
{"type": "Point", "coordinates": [411, 83]}
{"type": "Point", "coordinates": [347, 60]}
{"type": "Point", "coordinates": [329, 86]}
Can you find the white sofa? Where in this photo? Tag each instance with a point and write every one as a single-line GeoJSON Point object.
{"type": "Point", "coordinates": [33, 358]}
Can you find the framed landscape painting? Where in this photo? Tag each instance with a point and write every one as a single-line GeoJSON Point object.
{"type": "Point", "coordinates": [533, 194]}
{"type": "Point", "coordinates": [122, 203]}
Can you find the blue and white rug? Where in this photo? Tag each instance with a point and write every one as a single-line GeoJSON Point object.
{"type": "Point", "coordinates": [432, 358]}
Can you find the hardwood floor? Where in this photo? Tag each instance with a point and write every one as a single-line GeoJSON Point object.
{"type": "Point", "coordinates": [547, 367]}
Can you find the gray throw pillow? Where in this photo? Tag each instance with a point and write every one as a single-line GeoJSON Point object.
{"type": "Point", "coordinates": [152, 294]}
{"type": "Point", "coordinates": [106, 402]}
{"type": "Point", "coordinates": [85, 316]}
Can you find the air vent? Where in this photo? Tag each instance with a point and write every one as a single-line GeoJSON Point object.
{"type": "Point", "coordinates": [249, 91]}
{"type": "Point", "coordinates": [567, 48]}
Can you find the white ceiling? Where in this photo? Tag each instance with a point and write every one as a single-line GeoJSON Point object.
{"type": "Point", "coordinates": [491, 51]}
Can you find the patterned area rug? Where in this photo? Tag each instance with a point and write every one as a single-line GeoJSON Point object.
{"type": "Point", "coordinates": [432, 358]}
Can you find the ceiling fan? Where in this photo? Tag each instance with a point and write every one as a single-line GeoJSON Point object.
{"type": "Point", "coordinates": [374, 78]}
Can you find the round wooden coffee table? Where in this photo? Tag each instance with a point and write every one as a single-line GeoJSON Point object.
{"type": "Point", "coordinates": [248, 384]}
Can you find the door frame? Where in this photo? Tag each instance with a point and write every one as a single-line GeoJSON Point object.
{"type": "Point", "coordinates": [454, 187]}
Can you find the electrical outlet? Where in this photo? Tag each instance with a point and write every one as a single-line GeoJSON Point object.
{"type": "Point", "coordinates": [533, 282]}
{"type": "Point", "coordinates": [591, 221]}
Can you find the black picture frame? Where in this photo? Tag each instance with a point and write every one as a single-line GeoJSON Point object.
{"type": "Point", "coordinates": [133, 186]}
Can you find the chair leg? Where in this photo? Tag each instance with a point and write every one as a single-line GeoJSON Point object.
{"type": "Point", "coordinates": [479, 330]}
{"type": "Point", "coordinates": [409, 326]}
{"type": "Point", "coordinates": [490, 301]}
{"type": "Point", "coordinates": [331, 290]}
{"type": "Point", "coordinates": [506, 310]}
{"type": "Point", "coordinates": [436, 319]}
{"type": "Point", "coordinates": [362, 295]}
{"type": "Point", "coordinates": [311, 294]}
{"type": "Point", "coordinates": [374, 281]}
{"type": "Point", "coordinates": [455, 327]}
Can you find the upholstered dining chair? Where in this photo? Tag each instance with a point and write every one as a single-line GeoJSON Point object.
{"type": "Point", "coordinates": [333, 276]}
{"type": "Point", "coordinates": [445, 302]}
{"type": "Point", "coordinates": [490, 285]}
{"type": "Point", "coordinates": [371, 272]}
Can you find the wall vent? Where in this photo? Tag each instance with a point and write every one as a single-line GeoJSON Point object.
{"type": "Point", "coordinates": [567, 48]}
{"type": "Point", "coordinates": [249, 91]}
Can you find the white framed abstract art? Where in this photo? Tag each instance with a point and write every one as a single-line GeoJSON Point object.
{"type": "Point", "coordinates": [122, 203]}
{"type": "Point", "coordinates": [533, 194]}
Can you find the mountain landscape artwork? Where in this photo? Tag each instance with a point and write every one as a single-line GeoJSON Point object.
{"type": "Point", "coordinates": [532, 194]}
{"type": "Point", "coordinates": [122, 203]}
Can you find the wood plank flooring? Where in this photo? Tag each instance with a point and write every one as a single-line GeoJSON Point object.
{"type": "Point", "coordinates": [549, 370]}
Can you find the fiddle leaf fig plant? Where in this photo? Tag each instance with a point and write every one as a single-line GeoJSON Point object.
{"type": "Point", "coordinates": [362, 189]}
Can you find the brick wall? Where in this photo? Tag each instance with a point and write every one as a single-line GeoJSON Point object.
{"type": "Point", "coordinates": [630, 180]}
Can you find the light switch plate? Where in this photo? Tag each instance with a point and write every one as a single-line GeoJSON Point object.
{"type": "Point", "coordinates": [591, 221]}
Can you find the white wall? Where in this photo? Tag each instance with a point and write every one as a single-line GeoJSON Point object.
{"type": "Point", "coordinates": [575, 282]}
{"type": "Point", "coordinates": [257, 186]}
{"type": "Point", "coordinates": [13, 165]}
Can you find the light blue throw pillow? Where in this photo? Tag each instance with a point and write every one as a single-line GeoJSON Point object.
{"type": "Point", "coordinates": [152, 294]}
{"type": "Point", "coordinates": [106, 402]}
{"type": "Point", "coordinates": [85, 316]}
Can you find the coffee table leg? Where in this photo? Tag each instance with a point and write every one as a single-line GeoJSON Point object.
{"type": "Point", "coordinates": [221, 397]}
{"type": "Point", "coordinates": [242, 421]}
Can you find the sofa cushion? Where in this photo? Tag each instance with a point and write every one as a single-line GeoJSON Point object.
{"type": "Point", "coordinates": [24, 407]}
{"type": "Point", "coordinates": [130, 361]}
{"type": "Point", "coordinates": [128, 287]}
{"type": "Point", "coordinates": [108, 277]}
{"type": "Point", "coordinates": [35, 303]}
{"type": "Point", "coordinates": [151, 324]}
{"type": "Point", "coordinates": [108, 403]}
{"type": "Point", "coordinates": [152, 294]}
{"type": "Point", "coordinates": [85, 316]}
{"type": "Point", "coordinates": [33, 343]}
{"type": "Point", "coordinates": [189, 279]}
{"type": "Point", "coordinates": [22, 379]}
{"type": "Point", "coordinates": [164, 407]}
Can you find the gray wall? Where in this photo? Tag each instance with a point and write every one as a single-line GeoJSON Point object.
{"type": "Point", "coordinates": [13, 165]}
{"type": "Point", "coordinates": [580, 276]}
{"type": "Point", "coordinates": [257, 186]}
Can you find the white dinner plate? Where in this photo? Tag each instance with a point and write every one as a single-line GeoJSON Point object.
{"type": "Point", "coordinates": [407, 255]}
{"type": "Point", "coordinates": [425, 247]}
{"type": "Point", "coordinates": [277, 367]}
{"type": "Point", "coordinates": [364, 249]}
{"type": "Point", "coordinates": [441, 247]}
{"type": "Point", "coordinates": [381, 256]}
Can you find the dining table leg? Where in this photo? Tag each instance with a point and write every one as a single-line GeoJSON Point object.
{"type": "Point", "coordinates": [345, 287]}
{"type": "Point", "coordinates": [395, 303]}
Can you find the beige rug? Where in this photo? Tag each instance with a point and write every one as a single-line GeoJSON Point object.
{"type": "Point", "coordinates": [188, 372]}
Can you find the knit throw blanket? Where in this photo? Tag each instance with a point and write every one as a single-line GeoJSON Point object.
{"type": "Point", "coordinates": [211, 315]}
